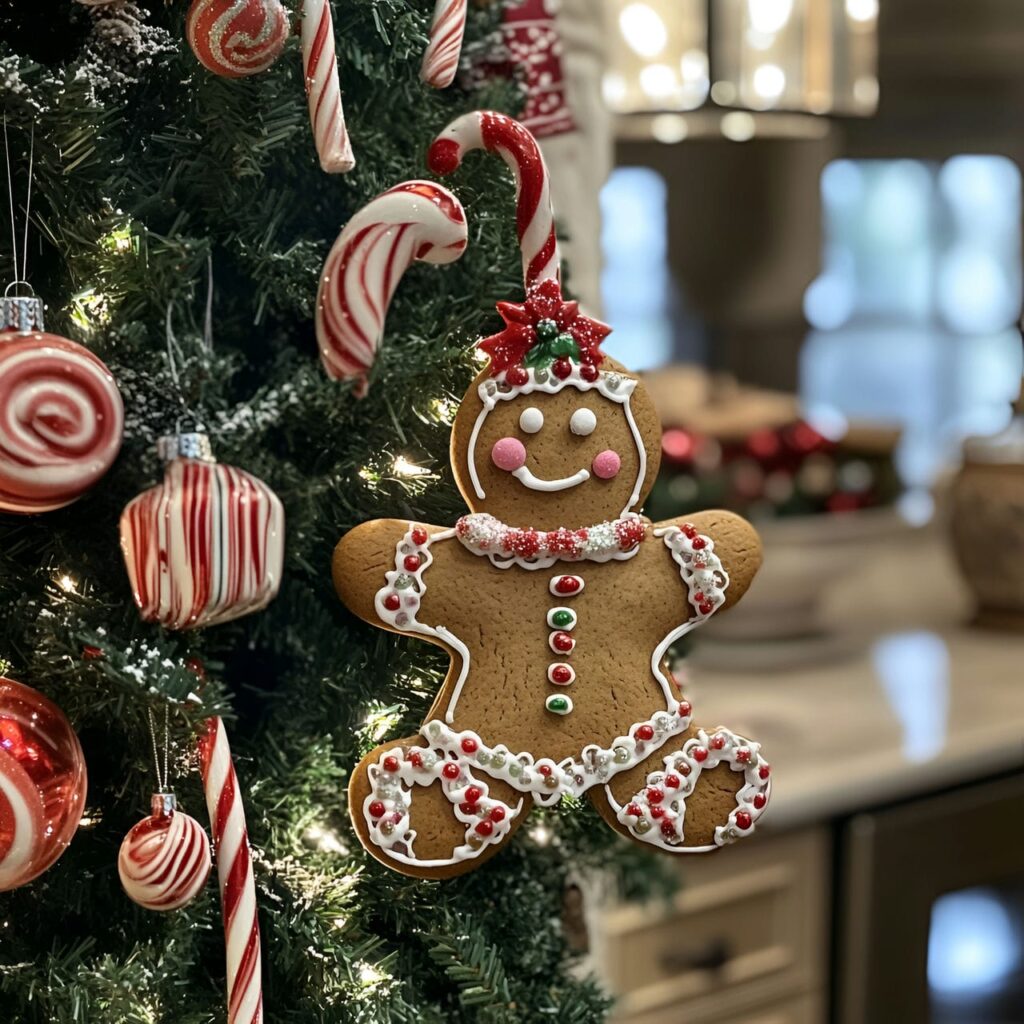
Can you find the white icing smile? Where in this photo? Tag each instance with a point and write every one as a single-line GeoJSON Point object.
{"type": "Point", "coordinates": [527, 479]}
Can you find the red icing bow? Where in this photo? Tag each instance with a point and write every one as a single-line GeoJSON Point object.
{"type": "Point", "coordinates": [544, 331]}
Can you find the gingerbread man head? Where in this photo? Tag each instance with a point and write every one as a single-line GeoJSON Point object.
{"type": "Point", "coordinates": [553, 433]}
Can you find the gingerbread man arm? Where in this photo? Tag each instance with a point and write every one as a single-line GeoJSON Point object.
{"type": "Point", "coordinates": [736, 544]}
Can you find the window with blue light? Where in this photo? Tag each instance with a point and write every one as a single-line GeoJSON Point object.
{"type": "Point", "coordinates": [636, 286]}
{"type": "Point", "coordinates": [914, 315]}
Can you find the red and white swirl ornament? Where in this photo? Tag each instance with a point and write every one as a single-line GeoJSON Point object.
{"type": "Point", "coordinates": [323, 88]}
{"type": "Point", "coordinates": [441, 57]}
{"type": "Point", "coordinates": [42, 784]}
{"type": "Point", "coordinates": [417, 220]}
{"type": "Point", "coordinates": [535, 218]}
{"type": "Point", "coordinates": [205, 546]}
{"type": "Point", "coordinates": [164, 860]}
{"type": "Point", "coordinates": [234, 871]}
{"type": "Point", "coordinates": [237, 38]}
{"type": "Point", "coordinates": [61, 416]}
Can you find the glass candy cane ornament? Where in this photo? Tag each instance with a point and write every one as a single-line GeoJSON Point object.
{"type": "Point", "coordinates": [417, 220]}
{"type": "Point", "coordinates": [205, 546]}
{"type": "Point", "coordinates": [61, 416]}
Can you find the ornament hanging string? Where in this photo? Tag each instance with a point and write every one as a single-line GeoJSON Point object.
{"type": "Point", "coordinates": [161, 778]}
{"type": "Point", "coordinates": [175, 355]}
{"type": "Point", "coordinates": [28, 205]}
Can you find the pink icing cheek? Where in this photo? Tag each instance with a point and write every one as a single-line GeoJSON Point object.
{"type": "Point", "coordinates": [508, 453]}
{"type": "Point", "coordinates": [607, 464]}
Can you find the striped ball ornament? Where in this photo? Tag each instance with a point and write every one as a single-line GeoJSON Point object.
{"type": "Point", "coordinates": [235, 38]}
{"type": "Point", "coordinates": [205, 546]}
{"type": "Point", "coordinates": [165, 859]}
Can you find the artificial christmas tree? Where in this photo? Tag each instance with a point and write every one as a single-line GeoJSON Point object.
{"type": "Point", "coordinates": [146, 164]}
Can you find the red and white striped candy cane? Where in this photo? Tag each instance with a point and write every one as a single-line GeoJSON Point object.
{"type": "Point", "coordinates": [323, 88]}
{"type": "Point", "coordinates": [535, 217]}
{"type": "Point", "coordinates": [234, 871]}
{"type": "Point", "coordinates": [417, 220]}
{"type": "Point", "coordinates": [441, 57]}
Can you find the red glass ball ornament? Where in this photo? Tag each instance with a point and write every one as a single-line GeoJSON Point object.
{"type": "Point", "coordinates": [235, 40]}
{"type": "Point", "coordinates": [164, 861]}
{"type": "Point", "coordinates": [42, 783]}
{"type": "Point", "coordinates": [61, 415]}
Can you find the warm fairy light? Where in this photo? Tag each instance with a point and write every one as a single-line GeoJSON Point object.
{"type": "Point", "coordinates": [90, 309]}
{"type": "Point", "coordinates": [90, 820]}
{"type": "Point", "coordinates": [119, 240]}
{"type": "Point", "coordinates": [369, 475]}
{"type": "Point", "coordinates": [444, 410]}
{"type": "Point", "coordinates": [541, 834]}
{"type": "Point", "coordinates": [379, 722]}
{"type": "Point", "coordinates": [66, 583]}
{"type": "Point", "coordinates": [403, 467]}
{"type": "Point", "coordinates": [369, 975]}
{"type": "Point", "coordinates": [325, 839]}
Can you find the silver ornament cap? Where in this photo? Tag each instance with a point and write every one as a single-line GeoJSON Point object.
{"type": "Point", "coordinates": [194, 445]}
{"type": "Point", "coordinates": [162, 805]}
{"type": "Point", "coordinates": [21, 313]}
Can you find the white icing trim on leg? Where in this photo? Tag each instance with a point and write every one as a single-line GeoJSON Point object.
{"type": "Point", "coordinates": [656, 814]}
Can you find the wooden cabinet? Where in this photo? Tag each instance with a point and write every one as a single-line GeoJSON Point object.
{"type": "Point", "coordinates": [747, 933]}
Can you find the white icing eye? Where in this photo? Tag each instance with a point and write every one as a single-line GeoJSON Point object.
{"type": "Point", "coordinates": [583, 422]}
{"type": "Point", "coordinates": [531, 420]}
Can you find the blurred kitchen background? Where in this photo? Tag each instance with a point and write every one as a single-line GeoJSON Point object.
{"type": "Point", "coordinates": [803, 219]}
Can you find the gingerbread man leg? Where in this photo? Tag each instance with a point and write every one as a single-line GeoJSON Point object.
{"type": "Point", "coordinates": [429, 812]}
{"type": "Point", "coordinates": [690, 797]}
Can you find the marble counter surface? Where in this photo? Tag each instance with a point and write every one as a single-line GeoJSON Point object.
{"type": "Point", "coordinates": [903, 698]}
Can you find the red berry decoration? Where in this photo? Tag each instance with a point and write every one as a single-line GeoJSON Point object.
{"type": "Point", "coordinates": [668, 827]}
{"type": "Point", "coordinates": [657, 812]}
{"type": "Point", "coordinates": [392, 602]}
{"type": "Point", "coordinates": [473, 794]}
{"type": "Point", "coordinates": [743, 820]}
{"type": "Point", "coordinates": [390, 763]}
{"type": "Point", "coordinates": [672, 781]}
{"type": "Point", "coordinates": [561, 674]}
{"type": "Point", "coordinates": [567, 585]}
{"type": "Point", "coordinates": [698, 543]}
{"type": "Point", "coordinates": [469, 745]}
{"type": "Point", "coordinates": [450, 771]}
{"type": "Point", "coordinates": [717, 742]}
{"type": "Point", "coordinates": [764, 771]}
{"type": "Point", "coordinates": [743, 755]}
{"type": "Point", "coordinates": [416, 759]}
{"type": "Point", "coordinates": [419, 536]}
{"type": "Point", "coordinates": [497, 814]}
{"type": "Point", "coordinates": [561, 368]}
{"type": "Point", "coordinates": [645, 732]}
{"type": "Point", "coordinates": [589, 373]}
{"type": "Point", "coordinates": [412, 563]}
{"type": "Point", "coordinates": [699, 754]}
{"type": "Point", "coordinates": [685, 709]}
{"type": "Point", "coordinates": [485, 827]}
{"type": "Point", "coordinates": [760, 800]}
{"type": "Point", "coordinates": [377, 809]}
{"type": "Point", "coordinates": [655, 796]}
{"type": "Point", "coordinates": [689, 530]}
{"type": "Point", "coordinates": [705, 607]}
{"type": "Point", "coordinates": [516, 376]}
{"type": "Point", "coordinates": [634, 811]}
{"type": "Point", "coordinates": [544, 769]}
{"type": "Point", "coordinates": [467, 808]}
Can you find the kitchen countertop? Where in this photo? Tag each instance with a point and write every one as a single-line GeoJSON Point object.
{"type": "Point", "coordinates": [906, 697]}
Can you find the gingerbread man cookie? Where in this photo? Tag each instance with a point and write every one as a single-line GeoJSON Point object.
{"type": "Point", "coordinates": [556, 600]}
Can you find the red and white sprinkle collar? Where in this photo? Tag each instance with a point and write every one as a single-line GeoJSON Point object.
{"type": "Point", "coordinates": [483, 534]}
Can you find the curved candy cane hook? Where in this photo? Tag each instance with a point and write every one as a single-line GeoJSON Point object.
{"type": "Point", "coordinates": [535, 218]}
{"type": "Point", "coordinates": [417, 220]}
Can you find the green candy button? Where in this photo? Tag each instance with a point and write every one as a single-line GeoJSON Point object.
{"type": "Point", "coordinates": [558, 705]}
{"type": "Point", "coordinates": [561, 618]}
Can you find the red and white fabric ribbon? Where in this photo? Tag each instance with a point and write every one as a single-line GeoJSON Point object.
{"type": "Point", "coordinates": [417, 220]}
{"type": "Point", "coordinates": [234, 871]}
{"type": "Point", "coordinates": [441, 57]}
{"type": "Point", "coordinates": [535, 218]}
{"type": "Point", "coordinates": [323, 88]}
